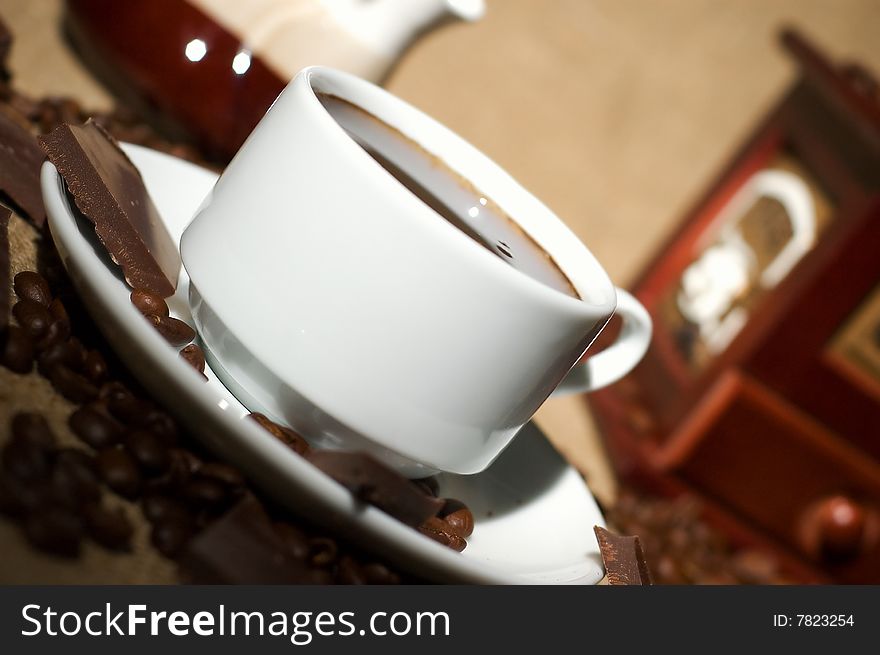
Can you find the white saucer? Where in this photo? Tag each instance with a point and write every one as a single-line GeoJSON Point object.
{"type": "Point", "coordinates": [534, 515]}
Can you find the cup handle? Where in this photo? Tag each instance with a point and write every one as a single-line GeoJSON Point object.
{"type": "Point", "coordinates": [618, 359]}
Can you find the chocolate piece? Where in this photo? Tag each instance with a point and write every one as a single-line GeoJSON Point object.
{"type": "Point", "coordinates": [623, 558]}
{"type": "Point", "coordinates": [5, 270]}
{"type": "Point", "coordinates": [109, 191]}
{"type": "Point", "coordinates": [242, 548]}
{"type": "Point", "coordinates": [374, 483]}
{"type": "Point", "coordinates": [20, 161]}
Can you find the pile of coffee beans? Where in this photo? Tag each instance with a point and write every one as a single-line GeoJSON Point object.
{"type": "Point", "coordinates": [130, 448]}
{"type": "Point", "coordinates": [44, 334]}
{"type": "Point", "coordinates": [56, 493]}
{"type": "Point", "coordinates": [174, 331]}
{"type": "Point", "coordinates": [680, 548]}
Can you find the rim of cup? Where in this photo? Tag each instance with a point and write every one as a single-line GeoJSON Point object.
{"type": "Point", "coordinates": [474, 168]}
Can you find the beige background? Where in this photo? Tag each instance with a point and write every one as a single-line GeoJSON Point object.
{"type": "Point", "coordinates": [616, 113]}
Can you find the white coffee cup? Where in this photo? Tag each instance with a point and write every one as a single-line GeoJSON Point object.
{"type": "Point", "coordinates": [331, 298]}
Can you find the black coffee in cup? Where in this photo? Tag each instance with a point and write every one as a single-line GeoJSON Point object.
{"type": "Point", "coordinates": [448, 194]}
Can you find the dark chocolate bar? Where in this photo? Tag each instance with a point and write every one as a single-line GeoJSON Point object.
{"type": "Point", "coordinates": [5, 271]}
{"type": "Point", "coordinates": [108, 189]}
{"type": "Point", "coordinates": [241, 547]}
{"type": "Point", "coordinates": [20, 161]}
{"type": "Point", "coordinates": [623, 558]}
{"type": "Point", "coordinates": [376, 484]}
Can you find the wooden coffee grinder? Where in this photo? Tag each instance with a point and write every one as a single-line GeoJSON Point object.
{"type": "Point", "coordinates": [761, 390]}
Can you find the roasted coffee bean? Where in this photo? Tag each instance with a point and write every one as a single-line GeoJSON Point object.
{"type": "Point", "coordinates": [456, 514]}
{"type": "Point", "coordinates": [33, 427]}
{"type": "Point", "coordinates": [55, 530]}
{"type": "Point", "coordinates": [77, 457]}
{"type": "Point", "coordinates": [58, 332]}
{"type": "Point", "coordinates": [158, 508]}
{"type": "Point", "coordinates": [183, 466]}
{"type": "Point", "coordinates": [77, 347]}
{"type": "Point", "coordinates": [72, 386]}
{"type": "Point", "coordinates": [428, 485]}
{"type": "Point", "coordinates": [194, 356]}
{"type": "Point", "coordinates": [119, 471]}
{"type": "Point", "coordinates": [32, 495]}
{"type": "Point", "coordinates": [30, 285]}
{"type": "Point", "coordinates": [149, 302]}
{"type": "Point", "coordinates": [174, 331]}
{"type": "Point", "coordinates": [64, 353]}
{"type": "Point", "coordinates": [59, 311]}
{"type": "Point", "coordinates": [129, 409]}
{"type": "Point", "coordinates": [73, 485]}
{"type": "Point", "coordinates": [95, 427]}
{"type": "Point", "coordinates": [282, 433]}
{"type": "Point", "coordinates": [186, 463]}
{"type": "Point", "coordinates": [162, 425]}
{"type": "Point", "coordinates": [295, 541]}
{"type": "Point", "coordinates": [349, 572]}
{"type": "Point", "coordinates": [376, 573]}
{"type": "Point", "coordinates": [169, 537]}
{"type": "Point", "coordinates": [113, 391]}
{"type": "Point", "coordinates": [204, 493]}
{"type": "Point", "coordinates": [32, 317]}
{"type": "Point", "coordinates": [94, 367]}
{"type": "Point", "coordinates": [17, 353]}
{"type": "Point", "coordinates": [26, 460]}
{"type": "Point", "coordinates": [148, 450]}
{"type": "Point", "coordinates": [323, 551]}
{"type": "Point", "coordinates": [109, 527]}
{"type": "Point", "coordinates": [222, 473]}
{"type": "Point", "coordinates": [10, 496]}
{"type": "Point", "coordinates": [440, 531]}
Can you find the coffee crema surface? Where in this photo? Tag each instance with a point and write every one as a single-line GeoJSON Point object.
{"type": "Point", "coordinates": [452, 197]}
